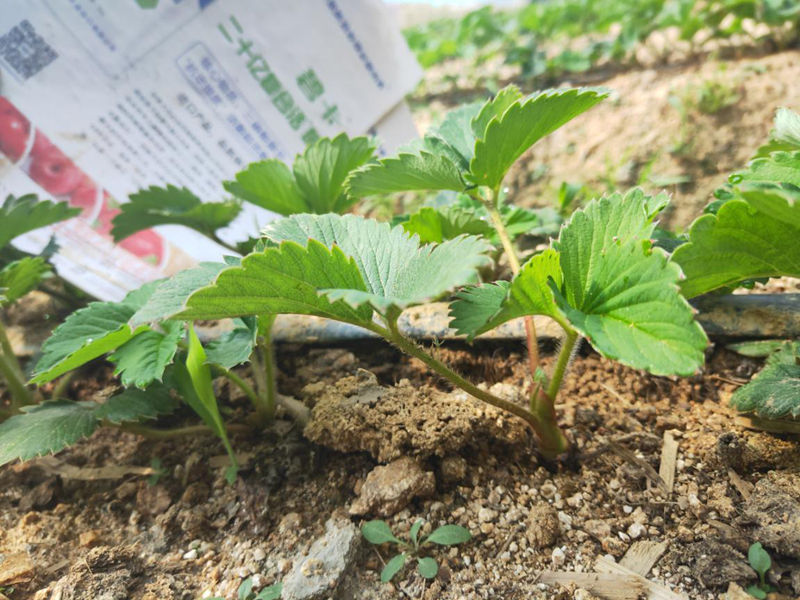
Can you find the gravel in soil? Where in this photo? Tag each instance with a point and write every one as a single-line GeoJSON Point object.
{"type": "Point", "coordinates": [187, 534]}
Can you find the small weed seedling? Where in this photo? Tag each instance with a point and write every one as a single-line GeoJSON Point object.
{"type": "Point", "coordinates": [245, 591]}
{"type": "Point", "coordinates": [761, 563]}
{"type": "Point", "coordinates": [378, 532]}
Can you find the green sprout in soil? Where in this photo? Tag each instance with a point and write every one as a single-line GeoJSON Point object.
{"type": "Point", "coordinates": [378, 532]}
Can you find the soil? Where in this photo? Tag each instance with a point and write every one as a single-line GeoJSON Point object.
{"type": "Point", "coordinates": [389, 439]}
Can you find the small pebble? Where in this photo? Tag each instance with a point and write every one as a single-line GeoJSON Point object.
{"type": "Point", "coordinates": [191, 554]}
{"type": "Point", "coordinates": [558, 557]}
{"type": "Point", "coordinates": [636, 530]}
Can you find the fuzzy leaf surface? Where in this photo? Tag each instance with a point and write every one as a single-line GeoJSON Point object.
{"type": "Point", "coordinates": [396, 270]}
{"type": "Point", "coordinates": [455, 130]}
{"type": "Point", "coordinates": [785, 135]}
{"type": "Point", "coordinates": [774, 393]}
{"type": "Point", "coordinates": [88, 333]}
{"type": "Point", "coordinates": [133, 404]}
{"type": "Point", "coordinates": [20, 277]}
{"type": "Point", "coordinates": [427, 567]}
{"type": "Point", "coordinates": [736, 244]}
{"type": "Point", "coordinates": [46, 428]}
{"type": "Point", "coordinates": [779, 167]}
{"type": "Point", "coordinates": [434, 225]}
{"type": "Point", "coordinates": [449, 535]}
{"type": "Point", "coordinates": [494, 108]}
{"type": "Point", "coordinates": [169, 298]}
{"type": "Point", "coordinates": [25, 213]}
{"type": "Point", "coordinates": [172, 206]}
{"type": "Point", "coordinates": [280, 280]}
{"type": "Point", "coordinates": [393, 567]}
{"type": "Point", "coordinates": [378, 532]}
{"type": "Point", "coordinates": [521, 126]}
{"type": "Point", "coordinates": [141, 360]}
{"type": "Point", "coordinates": [233, 347]}
{"type": "Point", "coordinates": [268, 184]}
{"type": "Point", "coordinates": [320, 171]}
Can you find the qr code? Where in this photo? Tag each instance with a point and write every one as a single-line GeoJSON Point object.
{"type": "Point", "coordinates": [25, 51]}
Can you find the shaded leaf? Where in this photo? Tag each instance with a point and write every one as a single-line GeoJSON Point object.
{"type": "Point", "coordinates": [25, 213]}
{"type": "Point", "coordinates": [413, 533]}
{"type": "Point", "coordinates": [434, 225]}
{"type": "Point", "coordinates": [133, 404]}
{"type": "Point", "coordinates": [142, 360]}
{"type": "Point", "coordinates": [172, 206]}
{"type": "Point", "coordinates": [270, 185]}
{"type": "Point", "coordinates": [21, 276]}
{"type": "Point", "coordinates": [405, 172]}
{"type": "Point", "coordinates": [774, 393]}
{"type": "Point", "coordinates": [233, 347]}
{"type": "Point", "coordinates": [456, 132]}
{"type": "Point", "coordinates": [45, 428]}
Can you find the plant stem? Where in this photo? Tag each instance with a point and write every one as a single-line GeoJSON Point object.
{"type": "Point", "coordinates": [508, 247]}
{"type": "Point", "coordinates": [264, 371]}
{"type": "Point", "coordinates": [166, 434]}
{"type": "Point", "coordinates": [564, 358]}
{"type": "Point", "coordinates": [11, 370]}
{"type": "Point", "coordinates": [215, 238]}
{"type": "Point", "coordinates": [238, 381]}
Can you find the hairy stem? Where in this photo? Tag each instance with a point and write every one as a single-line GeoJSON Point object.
{"type": "Point", "coordinates": [13, 374]}
{"type": "Point", "coordinates": [264, 371]}
{"type": "Point", "coordinates": [513, 260]}
{"type": "Point", "coordinates": [167, 434]}
{"type": "Point", "coordinates": [564, 358]}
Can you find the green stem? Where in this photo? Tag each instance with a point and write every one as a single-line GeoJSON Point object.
{"type": "Point", "coordinates": [564, 358]}
{"type": "Point", "coordinates": [264, 371]}
{"type": "Point", "coordinates": [61, 387]}
{"type": "Point", "coordinates": [238, 381]}
{"type": "Point", "coordinates": [513, 260]}
{"type": "Point", "coordinates": [12, 372]}
{"type": "Point", "coordinates": [214, 237]}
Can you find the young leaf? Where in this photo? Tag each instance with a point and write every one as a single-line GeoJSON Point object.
{"type": "Point", "coordinates": [272, 592]}
{"type": "Point", "coordinates": [45, 428]}
{"type": "Point", "coordinates": [427, 567]}
{"type": "Point", "coordinates": [88, 333]}
{"type": "Point", "coordinates": [414, 532]}
{"type": "Point", "coordinates": [393, 567]}
{"type": "Point", "coordinates": [281, 280]}
{"type": "Point", "coordinates": [759, 559]}
{"type": "Point", "coordinates": [21, 276]}
{"type": "Point", "coordinates": [169, 297]}
{"type": "Point", "coordinates": [172, 206]}
{"type": "Point", "coordinates": [132, 404]}
{"type": "Point", "coordinates": [494, 109]}
{"type": "Point", "coordinates": [194, 382]}
{"type": "Point", "coordinates": [142, 360]}
{"type": "Point", "coordinates": [785, 135]}
{"type": "Point", "coordinates": [738, 244]}
{"type": "Point", "coordinates": [778, 202]}
{"type": "Point", "coordinates": [774, 393]}
{"type": "Point", "coordinates": [434, 225]}
{"type": "Point", "coordinates": [760, 348]}
{"type": "Point", "coordinates": [779, 167]}
{"type": "Point", "coordinates": [456, 134]}
{"type": "Point", "coordinates": [25, 213]}
{"type": "Point", "coordinates": [397, 271]}
{"type": "Point", "coordinates": [233, 347]}
{"type": "Point", "coordinates": [268, 184]}
{"type": "Point", "coordinates": [523, 124]}
{"type": "Point", "coordinates": [245, 589]}
{"type": "Point", "coordinates": [320, 171]}
{"type": "Point", "coordinates": [448, 535]}
{"type": "Point", "coordinates": [423, 170]}
{"type": "Point", "coordinates": [756, 592]}
{"type": "Point", "coordinates": [378, 532]}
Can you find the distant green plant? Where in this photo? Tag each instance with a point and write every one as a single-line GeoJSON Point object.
{"type": "Point", "coordinates": [761, 563]}
{"type": "Point", "coordinates": [245, 591]}
{"type": "Point", "coordinates": [378, 532]}
{"type": "Point", "coordinates": [712, 96]}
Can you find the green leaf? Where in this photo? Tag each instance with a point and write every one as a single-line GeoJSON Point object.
{"type": "Point", "coordinates": [756, 592]}
{"type": "Point", "coordinates": [785, 135]}
{"type": "Point", "coordinates": [737, 244]}
{"type": "Point", "coordinates": [378, 532]}
{"type": "Point", "coordinates": [142, 360]}
{"type": "Point", "coordinates": [397, 271]}
{"type": "Point", "coordinates": [758, 348]}
{"type": "Point", "coordinates": [268, 184]}
{"type": "Point", "coordinates": [434, 225]}
{"type": "Point", "coordinates": [414, 532]}
{"type": "Point", "coordinates": [427, 567]}
{"type": "Point", "coordinates": [281, 280]}
{"type": "Point", "coordinates": [169, 298]}
{"type": "Point", "coordinates": [272, 592]}
{"type": "Point", "coordinates": [759, 559]}
{"type": "Point", "coordinates": [423, 170]}
{"type": "Point", "coordinates": [393, 567]}
{"type": "Point", "coordinates": [494, 109]}
{"type": "Point", "coordinates": [774, 393]}
{"type": "Point", "coordinates": [779, 203]}
{"type": "Point", "coordinates": [45, 428]}
{"type": "Point", "coordinates": [449, 535]}
{"type": "Point", "coordinates": [455, 131]}
{"type": "Point", "coordinates": [194, 383]}
{"type": "Point", "coordinates": [22, 276]}
{"type": "Point", "coordinates": [25, 213]}
{"type": "Point", "coordinates": [88, 333]}
{"type": "Point", "coordinates": [133, 404]}
{"type": "Point", "coordinates": [320, 171]}
{"type": "Point", "coordinates": [245, 589]}
{"type": "Point", "coordinates": [172, 206]}
{"type": "Point", "coordinates": [521, 126]}
{"type": "Point", "coordinates": [479, 309]}
{"type": "Point", "coordinates": [779, 167]}
{"type": "Point", "coordinates": [233, 347]}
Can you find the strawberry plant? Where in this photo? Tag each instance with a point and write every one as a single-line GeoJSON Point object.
{"type": "Point", "coordinates": [602, 279]}
{"type": "Point", "coordinates": [378, 532]}
{"type": "Point", "coordinates": [19, 274]}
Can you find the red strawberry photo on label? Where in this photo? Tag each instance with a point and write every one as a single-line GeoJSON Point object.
{"type": "Point", "coordinates": [41, 144]}
{"type": "Point", "coordinates": [108, 210]}
{"type": "Point", "coordinates": [86, 197]}
{"type": "Point", "coordinates": [55, 172]}
{"type": "Point", "coordinates": [15, 130]}
{"type": "Point", "coordinates": [147, 245]}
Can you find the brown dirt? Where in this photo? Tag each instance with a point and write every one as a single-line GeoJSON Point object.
{"type": "Point", "coordinates": [190, 534]}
